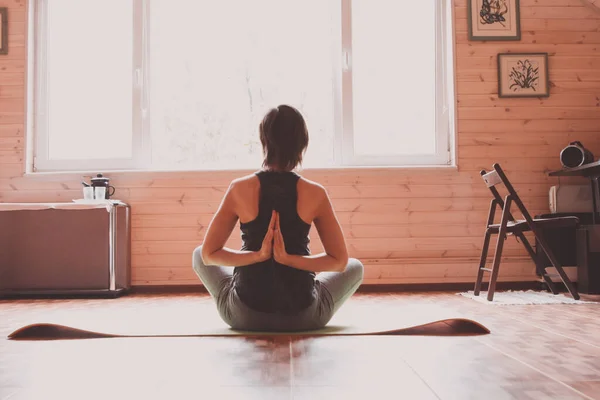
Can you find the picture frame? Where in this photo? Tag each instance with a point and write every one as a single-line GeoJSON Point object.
{"type": "Point", "coordinates": [523, 75]}
{"type": "Point", "coordinates": [3, 30]}
{"type": "Point", "coordinates": [494, 20]}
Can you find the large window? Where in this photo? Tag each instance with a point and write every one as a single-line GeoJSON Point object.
{"type": "Point", "coordinates": [183, 84]}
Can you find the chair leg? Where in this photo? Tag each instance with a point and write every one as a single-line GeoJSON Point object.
{"type": "Point", "coordinates": [559, 269]}
{"type": "Point", "coordinates": [486, 246]}
{"type": "Point", "coordinates": [484, 253]}
{"type": "Point", "coordinates": [499, 247]}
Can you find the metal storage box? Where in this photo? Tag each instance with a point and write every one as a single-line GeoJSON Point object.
{"type": "Point", "coordinates": [64, 249]}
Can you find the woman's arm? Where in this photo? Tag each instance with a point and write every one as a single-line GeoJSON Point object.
{"type": "Point", "coordinates": [219, 230]}
{"type": "Point", "coordinates": [335, 256]}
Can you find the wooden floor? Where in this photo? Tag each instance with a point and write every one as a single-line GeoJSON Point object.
{"type": "Point", "coordinates": [533, 352]}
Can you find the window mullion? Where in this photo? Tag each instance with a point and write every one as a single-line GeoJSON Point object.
{"type": "Point", "coordinates": [444, 84]}
{"type": "Point", "coordinates": [347, 103]}
{"type": "Point", "coordinates": [440, 101]}
{"type": "Point", "coordinates": [337, 75]}
{"type": "Point", "coordinates": [139, 128]}
{"type": "Point", "coordinates": [40, 119]}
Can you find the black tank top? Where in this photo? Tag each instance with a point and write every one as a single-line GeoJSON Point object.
{"type": "Point", "coordinates": [269, 286]}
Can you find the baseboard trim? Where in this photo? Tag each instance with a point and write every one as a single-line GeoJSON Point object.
{"type": "Point", "coordinates": [166, 289]}
{"type": "Point", "coordinates": [366, 288]}
{"type": "Point", "coordinates": [444, 287]}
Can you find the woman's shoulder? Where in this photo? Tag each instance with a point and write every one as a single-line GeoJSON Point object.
{"type": "Point", "coordinates": [244, 179]}
{"type": "Point", "coordinates": [311, 187]}
{"type": "Point", "coordinates": [244, 183]}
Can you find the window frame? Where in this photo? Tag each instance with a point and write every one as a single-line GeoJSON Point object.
{"type": "Point", "coordinates": [38, 124]}
{"type": "Point", "coordinates": [342, 83]}
{"type": "Point", "coordinates": [444, 97]}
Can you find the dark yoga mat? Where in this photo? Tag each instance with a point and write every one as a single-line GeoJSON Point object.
{"type": "Point", "coordinates": [446, 327]}
{"type": "Point", "coordinates": [189, 318]}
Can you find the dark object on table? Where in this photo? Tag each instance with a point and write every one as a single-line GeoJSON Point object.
{"type": "Point", "coordinates": [575, 155]}
{"type": "Point", "coordinates": [509, 225]}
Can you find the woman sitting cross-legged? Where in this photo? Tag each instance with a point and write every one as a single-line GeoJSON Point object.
{"type": "Point", "coordinates": [277, 285]}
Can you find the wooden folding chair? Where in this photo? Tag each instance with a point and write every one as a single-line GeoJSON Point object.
{"type": "Point", "coordinates": [509, 225]}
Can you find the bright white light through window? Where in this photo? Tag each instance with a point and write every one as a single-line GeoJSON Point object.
{"type": "Point", "coordinates": [89, 79]}
{"type": "Point", "coordinates": [393, 75]}
{"type": "Point", "coordinates": [184, 84]}
{"type": "Point", "coordinates": [217, 67]}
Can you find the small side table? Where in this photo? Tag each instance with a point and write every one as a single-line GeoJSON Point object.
{"type": "Point", "coordinates": [588, 259]}
{"type": "Point", "coordinates": [588, 236]}
{"type": "Point", "coordinates": [65, 249]}
{"type": "Point", "coordinates": [591, 171]}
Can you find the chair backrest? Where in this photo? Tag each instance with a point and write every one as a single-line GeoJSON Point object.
{"type": "Point", "coordinates": [496, 177]}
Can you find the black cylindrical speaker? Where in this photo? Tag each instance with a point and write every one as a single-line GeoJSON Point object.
{"type": "Point", "coordinates": [575, 155]}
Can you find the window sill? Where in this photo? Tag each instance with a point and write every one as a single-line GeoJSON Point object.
{"type": "Point", "coordinates": [162, 172]}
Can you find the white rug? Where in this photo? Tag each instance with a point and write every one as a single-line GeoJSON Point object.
{"type": "Point", "coordinates": [524, 297]}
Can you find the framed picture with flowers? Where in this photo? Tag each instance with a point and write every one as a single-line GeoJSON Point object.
{"type": "Point", "coordinates": [523, 75]}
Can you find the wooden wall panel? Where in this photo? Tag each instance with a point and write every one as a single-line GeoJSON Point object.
{"type": "Point", "coordinates": [407, 225]}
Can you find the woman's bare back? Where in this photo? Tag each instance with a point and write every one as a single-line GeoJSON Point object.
{"type": "Point", "coordinates": [241, 204]}
{"type": "Point", "coordinates": [310, 197]}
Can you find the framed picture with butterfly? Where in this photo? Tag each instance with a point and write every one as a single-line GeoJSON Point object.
{"type": "Point", "coordinates": [494, 20]}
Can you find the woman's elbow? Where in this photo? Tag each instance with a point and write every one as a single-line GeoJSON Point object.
{"type": "Point", "coordinates": [207, 256]}
{"type": "Point", "coordinates": [341, 263]}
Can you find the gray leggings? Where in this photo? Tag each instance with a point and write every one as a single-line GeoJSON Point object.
{"type": "Point", "coordinates": [332, 290]}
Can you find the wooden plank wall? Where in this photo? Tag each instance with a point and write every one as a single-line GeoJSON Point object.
{"type": "Point", "coordinates": [407, 225]}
